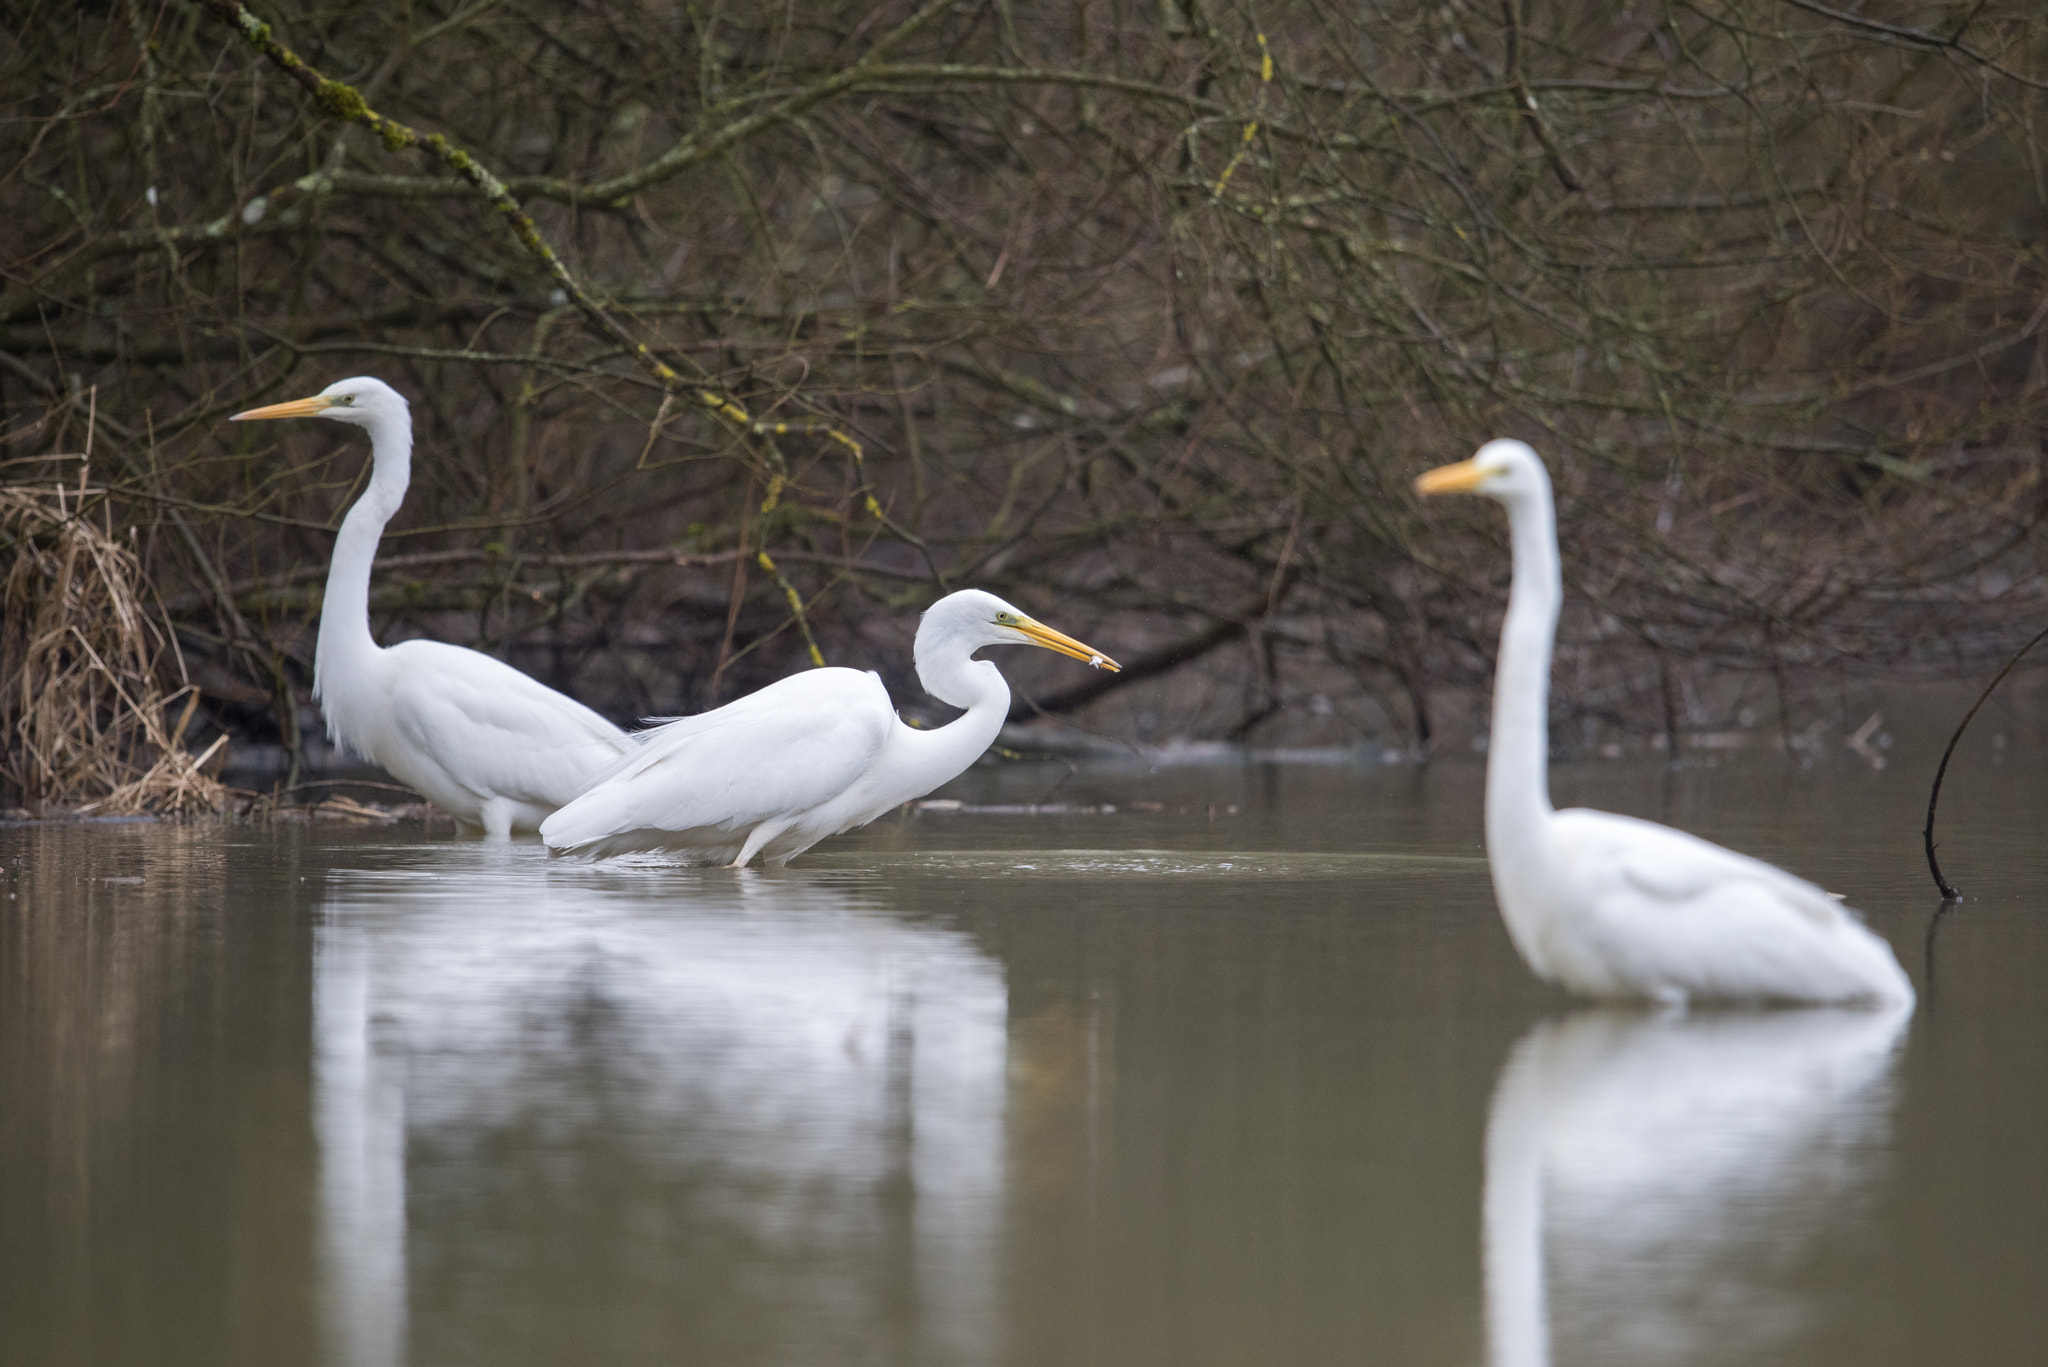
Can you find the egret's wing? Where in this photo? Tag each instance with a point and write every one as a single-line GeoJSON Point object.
{"type": "Point", "coordinates": [1673, 867]}
{"type": "Point", "coordinates": [800, 699]}
{"type": "Point", "coordinates": [1657, 906]}
{"type": "Point", "coordinates": [496, 730]}
{"type": "Point", "coordinates": [775, 753]}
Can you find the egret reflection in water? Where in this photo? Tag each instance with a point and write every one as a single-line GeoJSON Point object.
{"type": "Point", "coordinates": [570, 1116]}
{"type": "Point", "coordinates": [1654, 1182]}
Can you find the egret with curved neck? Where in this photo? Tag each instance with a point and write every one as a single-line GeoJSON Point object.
{"type": "Point", "coordinates": [821, 752]}
{"type": "Point", "coordinates": [490, 745]}
{"type": "Point", "coordinates": [1612, 906]}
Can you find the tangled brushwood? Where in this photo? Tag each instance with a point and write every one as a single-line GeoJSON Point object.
{"type": "Point", "coordinates": [87, 717]}
{"type": "Point", "coordinates": [739, 333]}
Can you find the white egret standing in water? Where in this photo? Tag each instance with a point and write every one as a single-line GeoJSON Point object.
{"type": "Point", "coordinates": [808, 756]}
{"type": "Point", "coordinates": [492, 746]}
{"type": "Point", "coordinates": [1612, 906]}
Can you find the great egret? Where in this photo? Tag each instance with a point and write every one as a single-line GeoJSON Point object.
{"type": "Point", "coordinates": [1612, 906]}
{"type": "Point", "coordinates": [493, 747]}
{"type": "Point", "coordinates": [808, 756]}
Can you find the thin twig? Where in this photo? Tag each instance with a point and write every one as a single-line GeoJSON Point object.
{"type": "Point", "coordinates": [1948, 890]}
{"type": "Point", "coordinates": [345, 102]}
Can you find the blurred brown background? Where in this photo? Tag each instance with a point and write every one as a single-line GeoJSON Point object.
{"type": "Point", "coordinates": [1140, 314]}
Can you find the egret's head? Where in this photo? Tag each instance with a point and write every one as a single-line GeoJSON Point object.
{"type": "Point", "coordinates": [983, 619]}
{"type": "Point", "coordinates": [362, 401]}
{"type": "Point", "coordinates": [1504, 469]}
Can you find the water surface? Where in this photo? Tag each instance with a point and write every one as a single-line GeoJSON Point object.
{"type": "Point", "coordinates": [1244, 1070]}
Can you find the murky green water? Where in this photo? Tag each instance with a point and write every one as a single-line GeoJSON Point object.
{"type": "Point", "coordinates": [1174, 1084]}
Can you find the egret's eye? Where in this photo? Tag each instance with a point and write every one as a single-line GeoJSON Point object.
{"type": "Point", "coordinates": [1006, 619]}
{"type": "Point", "coordinates": [344, 401]}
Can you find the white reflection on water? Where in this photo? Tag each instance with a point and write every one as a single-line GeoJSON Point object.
{"type": "Point", "coordinates": [549, 1098]}
{"type": "Point", "coordinates": [359, 1114]}
{"type": "Point", "coordinates": [1675, 1172]}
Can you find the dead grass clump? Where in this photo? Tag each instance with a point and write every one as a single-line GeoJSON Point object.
{"type": "Point", "coordinates": [85, 716]}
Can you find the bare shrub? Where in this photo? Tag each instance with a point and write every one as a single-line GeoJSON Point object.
{"type": "Point", "coordinates": [85, 718]}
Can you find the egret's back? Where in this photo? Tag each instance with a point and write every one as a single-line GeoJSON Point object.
{"type": "Point", "coordinates": [699, 785]}
{"type": "Point", "coordinates": [1635, 909]}
{"type": "Point", "coordinates": [470, 732]}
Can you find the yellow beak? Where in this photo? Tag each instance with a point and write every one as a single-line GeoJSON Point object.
{"type": "Point", "coordinates": [1461, 478]}
{"type": "Point", "coordinates": [1043, 635]}
{"type": "Point", "coordinates": [297, 408]}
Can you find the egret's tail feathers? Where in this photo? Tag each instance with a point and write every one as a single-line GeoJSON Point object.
{"type": "Point", "coordinates": [703, 845]}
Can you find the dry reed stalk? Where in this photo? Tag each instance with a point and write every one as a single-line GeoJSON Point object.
{"type": "Point", "coordinates": [84, 711]}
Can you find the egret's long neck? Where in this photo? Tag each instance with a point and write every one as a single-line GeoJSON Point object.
{"type": "Point", "coordinates": [951, 674]}
{"type": "Point", "coordinates": [345, 644]}
{"type": "Point", "coordinates": [1518, 753]}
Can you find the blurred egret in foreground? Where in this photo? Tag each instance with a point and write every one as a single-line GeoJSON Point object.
{"type": "Point", "coordinates": [1612, 906]}
{"type": "Point", "coordinates": [492, 746]}
{"type": "Point", "coordinates": [809, 756]}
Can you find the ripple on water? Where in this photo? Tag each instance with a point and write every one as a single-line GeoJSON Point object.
{"type": "Point", "coordinates": [1091, 864]}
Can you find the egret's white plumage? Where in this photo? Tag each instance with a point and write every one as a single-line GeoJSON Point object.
{"type": "Point", "coordinates": [1612, 906]}
{"type": "Point", "coordinates": [495, 748]}
{"type": "Point", "coordinates": [809, 756]}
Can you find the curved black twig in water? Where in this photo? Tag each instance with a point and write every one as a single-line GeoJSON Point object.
{"type": "Point", "coordinates": [1948, 890]}
{"type": "Point", "coordinates": [1948, 904]}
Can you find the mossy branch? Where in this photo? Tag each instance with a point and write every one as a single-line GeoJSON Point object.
{"type": "Point", "coordinates": [343, 101]}
{"type": "Point", "coordinates": [796, 606]}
